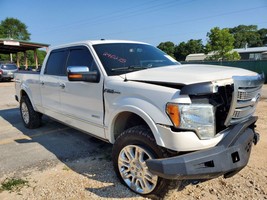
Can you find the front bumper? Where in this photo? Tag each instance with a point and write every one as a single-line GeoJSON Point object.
{"type": "Point", "coordinates": [7, 76]}
{"type": "Point", "coordinates": [226, 158]}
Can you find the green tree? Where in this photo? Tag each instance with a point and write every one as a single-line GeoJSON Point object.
{"type": "Point", "coordinates": [233, 55]}
{"type": "Point", "coordinates": [263, 35]}
{"type": "Point", "coordinates": [40, 54]}
{"type": "Point", "coordinates": [186, 48]}
{"type": "Point", "coordinates": [30, 56]}
{"type": "Point", "coordinates": [221, 43]}
{"type": "Point", "coordinates": [4, 57]}
{"type": "Point", "coordinates": [14, 28]}
{"type": "Point", "coordinates": [246, 36]}
{"type": "Point", "coordinates": [167, 47]}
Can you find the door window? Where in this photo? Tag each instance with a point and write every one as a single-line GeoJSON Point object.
{"type": "Point", "coordinates": [56, 64]}
{"type": "Point", "coordinates": [81, 57]}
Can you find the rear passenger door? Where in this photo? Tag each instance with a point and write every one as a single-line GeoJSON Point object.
{"type": "Point", "coordinates": [83, 101]}
{"type": "Point", "coordinates": [50, 84]}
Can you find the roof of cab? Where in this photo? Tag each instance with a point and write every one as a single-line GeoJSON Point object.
{"type": "Point", "coordinates": [95, 42]}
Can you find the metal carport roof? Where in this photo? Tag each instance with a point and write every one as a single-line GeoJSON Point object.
{"type": "Point", "coordinates": [13, 46]}
{"type": "Point", "coordinates": [10, 46]}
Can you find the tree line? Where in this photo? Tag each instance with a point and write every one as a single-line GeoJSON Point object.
{"type": "Point", "coordinates": [15, 29]}
{"type": "Point", "coordinates": [219, 41]}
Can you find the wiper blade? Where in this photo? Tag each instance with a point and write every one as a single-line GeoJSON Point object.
{"type": "Point", "coordinates": [129, 68]}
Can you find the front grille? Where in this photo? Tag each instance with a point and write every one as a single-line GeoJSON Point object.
{"type": "Point", "coordinates": [245, 98]}
{"type": "Point", "coordinates": [247, 93]}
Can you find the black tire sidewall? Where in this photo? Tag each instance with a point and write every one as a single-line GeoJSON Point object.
{"type": "Point", "coordinates": [34, 117]}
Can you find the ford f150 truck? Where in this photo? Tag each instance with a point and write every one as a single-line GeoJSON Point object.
{"type": "Point", "coordinates": [167, 121]}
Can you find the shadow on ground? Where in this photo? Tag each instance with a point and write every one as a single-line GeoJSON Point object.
{"type": "Point", "coordinates": [82, 153]}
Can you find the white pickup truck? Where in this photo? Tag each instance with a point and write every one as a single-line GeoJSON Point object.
{"type": "Point", "coordinates": [167, 121]}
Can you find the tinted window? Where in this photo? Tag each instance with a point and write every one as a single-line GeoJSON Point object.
{"type": "Point", "coordinates": [9, 67]}
{"type": "Point", "coordinates": [121, 58]}
{"type": "Point", "coordinates": [56, 64]}
{"type": "Point", "coordinates": [81, 57]}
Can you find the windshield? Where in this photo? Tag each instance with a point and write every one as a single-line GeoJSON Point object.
{"type": "Point", "coordinates": [122, 58]}
{"type": "Point", "coordinates": [9, 67]}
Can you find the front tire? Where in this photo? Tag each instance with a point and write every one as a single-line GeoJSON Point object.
{"type": "Point", "coordinates": [130, 151]}
{"type": "Point", "coordinates": [31, 119]}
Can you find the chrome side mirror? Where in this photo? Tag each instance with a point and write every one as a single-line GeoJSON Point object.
{"type": "Point", "coordinates": [82, 73]}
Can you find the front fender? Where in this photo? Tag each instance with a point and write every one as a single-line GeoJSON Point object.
{"type": "Point", "coordinates": [147, 111]}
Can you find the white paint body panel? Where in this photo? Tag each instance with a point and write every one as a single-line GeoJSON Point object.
{"type": "Point", "coordinates": [188, 74]}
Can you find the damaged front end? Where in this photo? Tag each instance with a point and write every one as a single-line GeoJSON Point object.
{"type": "Point", "coordinates": [234, 103]}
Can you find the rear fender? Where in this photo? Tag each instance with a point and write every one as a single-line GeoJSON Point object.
{"type": "Point", "coordinates": [25, 90]}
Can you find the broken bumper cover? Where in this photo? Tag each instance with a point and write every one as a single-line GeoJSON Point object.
{"type": "Point", "coordinates": [227, 158]}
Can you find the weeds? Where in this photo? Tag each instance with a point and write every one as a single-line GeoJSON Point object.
{"type": "Point", "coordinates": [65, 168]}
{"type": "Point", "coordinates": [13, 184]}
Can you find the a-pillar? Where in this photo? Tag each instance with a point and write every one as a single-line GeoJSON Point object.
{"type": "Point", "coordinates": [25, 60]}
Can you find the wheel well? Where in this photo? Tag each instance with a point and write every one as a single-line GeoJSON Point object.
{"type": "Point", "coordinates": [126, 120]}
{"type": "Point", "coordinates": [23, 93]}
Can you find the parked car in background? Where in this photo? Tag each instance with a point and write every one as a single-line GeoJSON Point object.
{"type": "Point", "coordinates": [7, 71]}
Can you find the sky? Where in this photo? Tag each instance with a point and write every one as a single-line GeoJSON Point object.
{"type": "Point", "coordinates": [58, 22]}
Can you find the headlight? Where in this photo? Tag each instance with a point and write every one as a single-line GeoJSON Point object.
{"type": "Point", "coordinates": [197, 117]}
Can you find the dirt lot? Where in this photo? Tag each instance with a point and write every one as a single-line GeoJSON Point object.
{"type": "Point", "coordinates": [92, 177]}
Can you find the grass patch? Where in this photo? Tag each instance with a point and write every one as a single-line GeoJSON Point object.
{"type": "Point", "coordinates": [13, 184]}
{"type": "Point", "coordinates": [65, 168]}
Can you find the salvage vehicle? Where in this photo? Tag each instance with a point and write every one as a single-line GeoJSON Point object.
{"type": "Point", "coordinates": [168, 122]}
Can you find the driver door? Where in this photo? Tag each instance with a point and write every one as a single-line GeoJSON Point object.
{"type": "Point", "coordinates": [82, 102]}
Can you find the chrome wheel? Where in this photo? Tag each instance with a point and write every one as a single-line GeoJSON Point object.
{"type": "Point", "coordinates": [25, 113]}
{"type": "Point", "coordinates": [134, 171]}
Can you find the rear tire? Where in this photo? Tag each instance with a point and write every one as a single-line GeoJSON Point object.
{"type": "Point", "coordinates": [31, 119]}
{"type": "Point", "coordinates": [130, 151]}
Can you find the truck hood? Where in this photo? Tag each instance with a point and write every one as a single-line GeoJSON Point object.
{"type": "Point", "coordinates": [187, 74]}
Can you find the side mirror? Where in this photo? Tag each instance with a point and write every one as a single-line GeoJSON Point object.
{"type": "Point", "coordinates": [82, 73]}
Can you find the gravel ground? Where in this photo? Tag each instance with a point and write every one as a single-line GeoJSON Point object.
{"type": "Point", "coordinates": [93, 178]}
